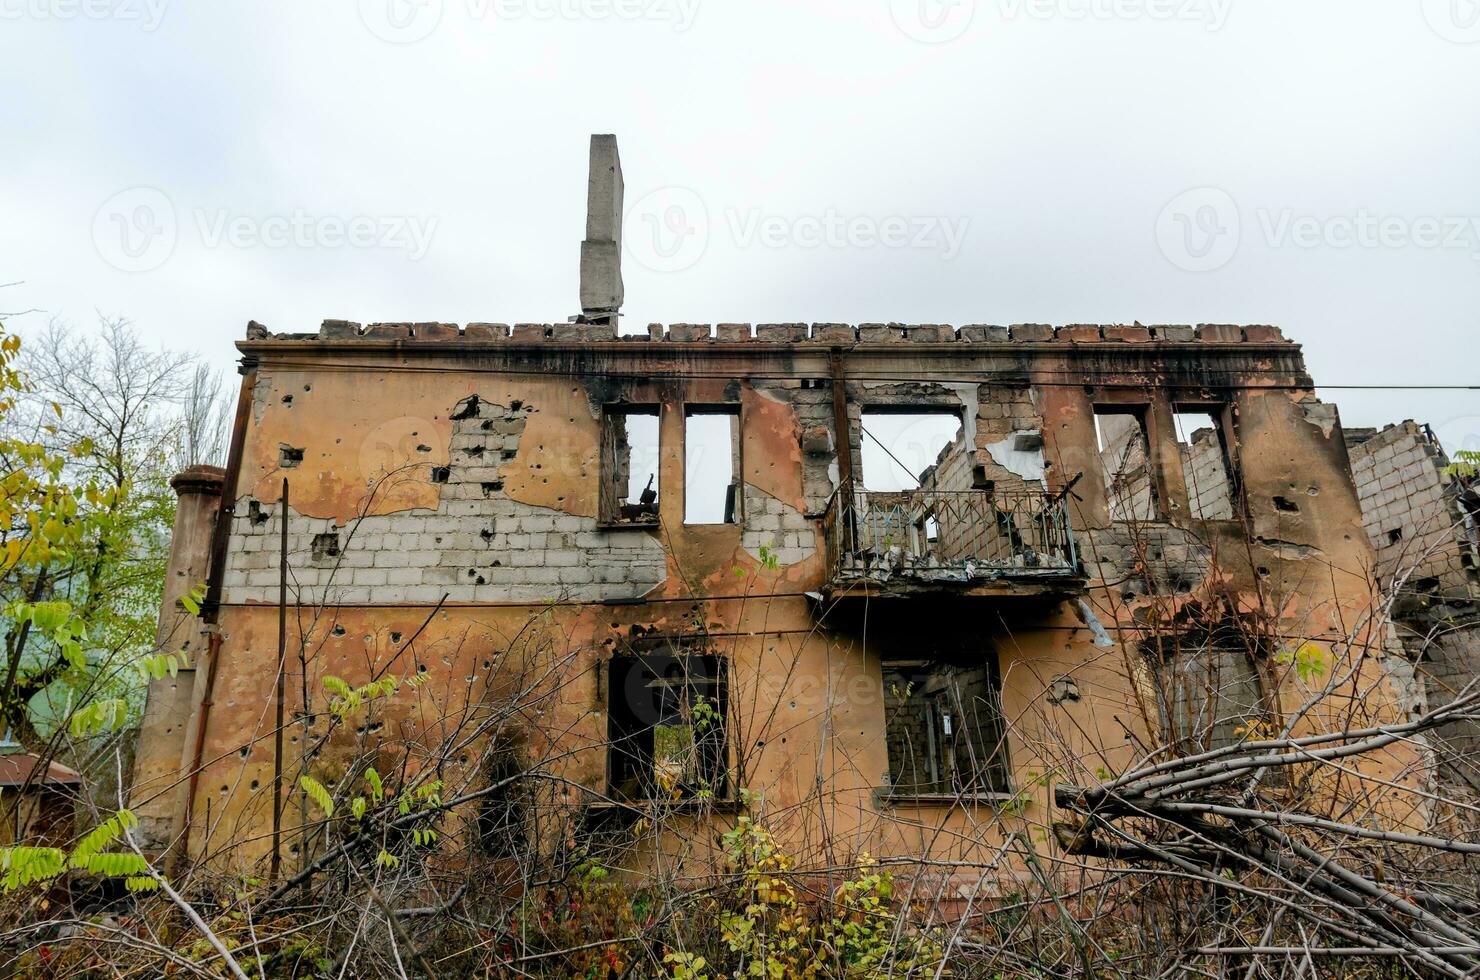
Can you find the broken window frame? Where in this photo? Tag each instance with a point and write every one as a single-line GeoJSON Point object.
{"type": "Point", "coordinates": [986, 754]}
{"type": "Point", "coordinates": [1221, 414]}
{"type": "Point", "coordinates": [502, 822]}
{"type": "Point", "coordinates": [613, 491]}
{"type": "Point", "coordinates": [1217, 720]}
{"type": "Point", "coordinates": [679, 681]}
{"type": "Point", "coordinates": [735, 504]}
{"type": "Point", "coordinates": [921, 409]}
{"type": "Point", "coordinates": [1141, 413]}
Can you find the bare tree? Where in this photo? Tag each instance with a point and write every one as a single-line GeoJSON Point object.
{"type": "Point", "coordinates": [205, 420]}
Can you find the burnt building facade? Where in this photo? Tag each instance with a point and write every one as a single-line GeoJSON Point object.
{"type": "Point", "coordinates": [675, 546]}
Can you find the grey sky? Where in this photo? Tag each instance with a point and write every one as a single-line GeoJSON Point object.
{"type": "Point", "coordinates": [839, 160]}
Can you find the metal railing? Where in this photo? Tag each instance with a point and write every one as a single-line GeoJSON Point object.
{"type": "Point", "coordinates": [949, 535]}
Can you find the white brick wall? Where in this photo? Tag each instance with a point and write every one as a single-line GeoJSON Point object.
{"type": "Point", "coordinates": [776, 525]}
{"type": "Point", "coordinates": [1402, 488]}
{"type": "Point", "coordinates": [478, 545]}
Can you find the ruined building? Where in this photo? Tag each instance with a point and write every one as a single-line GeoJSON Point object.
{"type": "Point", "coordinates": [885, 583]}
{"type": "Point", "coordinates": [1422, 523]}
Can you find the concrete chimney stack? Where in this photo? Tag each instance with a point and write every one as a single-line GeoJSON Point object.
{"type": "Point", "coordinates": [601, 252]}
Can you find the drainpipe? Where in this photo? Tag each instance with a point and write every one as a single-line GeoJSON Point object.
{"type": "Point", "coordinates": [211, 608]}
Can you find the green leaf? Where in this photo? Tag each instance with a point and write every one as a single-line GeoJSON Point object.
{"type": "Point", "coordinates": [318, 794]}
{"type": "Point", "coordinates": [99, 717]}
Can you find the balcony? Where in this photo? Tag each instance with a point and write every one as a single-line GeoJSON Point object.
{"type": "Point", "coordinates": [934, 542]}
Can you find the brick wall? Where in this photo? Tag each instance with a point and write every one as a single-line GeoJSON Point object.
{"type": "Point", "coordinates": [1411, 511]}
{"type": "Point", "coordinates": [477, 545]}
{"type": "Point", "coordinates": [1424, 540]}
{"type": "Point", "coordinates": [1206, 474]}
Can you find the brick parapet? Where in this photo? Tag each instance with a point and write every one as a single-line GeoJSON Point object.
{"type": "Point", "coordinates": [817, 334]}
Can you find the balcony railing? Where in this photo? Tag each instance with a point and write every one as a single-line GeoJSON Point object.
{"type": "Point", "coordinates": [948, 537]}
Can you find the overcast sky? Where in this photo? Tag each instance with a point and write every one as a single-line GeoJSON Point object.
{"type": "Point", "coordinates": [1307, 163]}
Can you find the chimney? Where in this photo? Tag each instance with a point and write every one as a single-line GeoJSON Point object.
{"type": "Point", "coordinates": [601, 252]}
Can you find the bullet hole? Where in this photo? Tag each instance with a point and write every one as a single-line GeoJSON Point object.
{"type": "Point", "coordinates": [1263, 572]}
{"type": "Point", "coordinates": [289, 456]}
{"type": "Point", "coordinates": [255, 784]}
{"type": "Point", "coordinates": [474, 451]}
{"type": "Point", "coordinates": [481, 581]}
{"type": "Point", "coordinates": [1063, 690]}
{"type": "Point", "coordinates": [497, 563]}
{"type": "Point", "coordinates": [423, 448]}
{"type": "Point", "coordinates": [395, 636]}
{"type": "Point", "coordinates": [288, 400]}
{"type": "Point", "coordinates": [244, 751]}
{"type": "Point", "coordinates": [493, 487]}
{"type": "Point", "coordinates": [338, 629]}
{"type": "Point", "coordinates": [421, 668]}
{"type": "Point", "coordinates": [225, 790]}
{"type": "Point", "coordinates": [441, 474]}
{"type": "Point", "coordinates": [1286, 505]}
{"type": "Point", "coordinates": [308, 387]}
{"type": "Point", "coordinates": [472, 572]}
{"type": "Point", "coordinates": [325, 546]}
{"type": "Point", "coordinates": [487, 664]}
{"type": "Point", "coordinates": [439, 540]}
{"type": "Point", "coordinates": [466, 409]}
{"type": "Point", "coordinates": [486, 534]}
{"type": "Point", "coordinates": [1313, 491]}
{"type": "Point", "coordinates": [508, 454]}
{"type": "Point", "coordinates": [515, 405]}
{"type": "Point", "coordinates": [1395, 535]}
{"type": "Point", "coordinates": [255, 514]}
{"type": "Point", "coordinates": [487, 425]}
